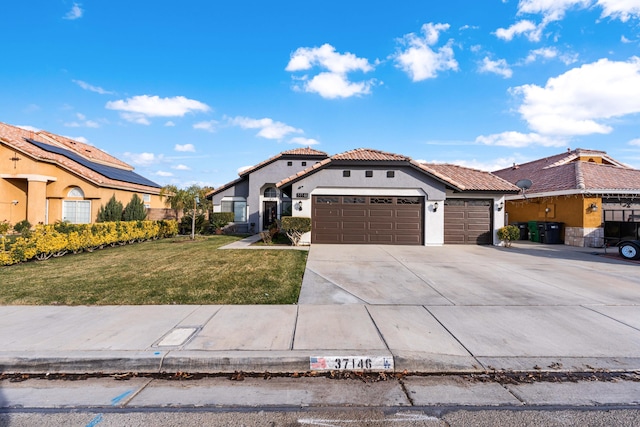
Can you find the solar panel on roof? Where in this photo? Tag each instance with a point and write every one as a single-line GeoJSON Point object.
{"type": "Point", "coordinates": [104, 170]}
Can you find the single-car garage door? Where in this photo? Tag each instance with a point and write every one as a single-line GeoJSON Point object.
{"type": "Point", "coordinates": [367, 219]}
{"type": "Point", "coordinates": [468, 221]}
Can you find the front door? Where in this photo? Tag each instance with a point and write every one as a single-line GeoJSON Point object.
{"type": "Point", "coordinates": [269, 214]}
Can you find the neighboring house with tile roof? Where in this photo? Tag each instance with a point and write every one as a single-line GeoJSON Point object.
{"type": "Point", "coordinates": [582, 189]}
{"type": "Point", "coordinates": [46, 178]}
{"type": "Point", "coordinates": [375, 197]}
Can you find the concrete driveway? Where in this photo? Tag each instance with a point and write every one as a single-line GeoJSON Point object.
{"type": "Point", "coordinates": [527, 274]}
{"type": "Point", "coordinates": [524, 308]}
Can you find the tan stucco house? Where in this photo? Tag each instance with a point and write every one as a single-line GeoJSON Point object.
{"type": "Point", "coordinates": [46, 178]}
{"type": "Point", "coordinates": [590, 193]}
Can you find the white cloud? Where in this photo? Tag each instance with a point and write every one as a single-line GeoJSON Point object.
{"type": "Point", "coordinates": [143, 159]}
{"type": "Point", "coordinates": [163, 173]}
{"type": "Point", "coordinates": [499, 67]}
{"type": "Point", "coordinates": [517, 140]}
{"type": "Point", "coordinates": [83, 122]}
{"type": "Point", "coordinates": [551, 10]}
{"type": "Point", "coordinates": [555, 10]}
{"type": "Point", "coordinates": [185, 148]}
{"type": "Point", "coordinates": [332, 83]}
{"type": "Point", "coordinates": [304, 141]}
{"type": "Point", "coordinates": [620, 9]}
{"type": "Point", "coordinates": [419, 60]}
{"type": "Point", "coordinates": [209, 126]}
{"type": "Point", "coordinates": [580, 100]}
{"type": "Point", "coordinates": [29, 128]}
{"type": "Point", "coordinates": [169, 124]}
{"type": "Point", "coordinates": [332, 86]}
{"type": "Point", "coordinates": [139, 108]}
{"type": "Point", "coordinates": [243, 168]}
{"type": "Point", "coordinates": [551, 53]}
{"type": "Point", "coordinates": [543, 52]}
{"type": "Point", "coordinates": [325, 56]}
{"type": "Point", "coordinates": [79, 139]}
{"type": "Point", "coordinates": [91, 88]}
{"type": "Point", "coordinates": [269, 129]}
{"type": "Point", "coordinates": [635, 141]}
{"type": "Point", "coordinates": [75, 12]}
{"type": "Point", "coordinates": [181, 168]}
{"type": "Point", "coordinates": [523, 27]}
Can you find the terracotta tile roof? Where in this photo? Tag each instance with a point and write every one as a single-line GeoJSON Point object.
{"type": "Point", "coordinates": [302, 152]}
{"type": "Point", "coordinates": [467, 179]}
{"type": "Point", "coordinates": [566, 172]}
{"type": "Point", "coordinates": [305, 151]}
{"type": "Point", "coordinates": [606, 177]}
{"type": "Point", "coordinates": [16, 138]}
{"type": "Point", "coordinates": [458, 177]}
{"type": "Point", "coordinates": [367, 154]}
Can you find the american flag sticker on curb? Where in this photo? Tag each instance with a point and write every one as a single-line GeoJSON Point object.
{"type": "Point", "coordinates": [351, 363]}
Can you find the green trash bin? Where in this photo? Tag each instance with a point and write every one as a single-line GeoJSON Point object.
{"type": "Point", "coordinates": [534, 234]}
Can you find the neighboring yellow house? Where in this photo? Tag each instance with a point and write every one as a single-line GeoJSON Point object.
{"type": "Point", "coordinates": [46, 178]}
{"type": "Point", "coordinates": [582, 189]}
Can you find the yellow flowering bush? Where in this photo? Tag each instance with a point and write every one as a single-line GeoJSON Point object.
{"type": "Point", "coordinates": [49, 242]}
{"type": "Point", "coordinates": [56, 240]}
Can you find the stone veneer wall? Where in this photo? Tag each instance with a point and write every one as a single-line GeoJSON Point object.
{"type": "Point", "coordinates": [584, 237]}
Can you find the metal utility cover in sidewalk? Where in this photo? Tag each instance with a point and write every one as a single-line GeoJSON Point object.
{"type": "Point", "coordinates": [176, 337]}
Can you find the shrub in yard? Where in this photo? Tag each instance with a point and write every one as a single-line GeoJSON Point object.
{"type": "Point", "coordinates": [51, 241]}
{"type": "Point", "coordinates": [112, 211]}
{"type": "Point", "coordinates": [294, 227]}
{"type": "Point", "coordinates": [135, 210]}
{"type": "Point", "coordinates": [187, 222]}
{"type": "Point", "coordinates": [23, 227]}
{"type": "Point", "coordinates": [220, 220]}
{"type": "Point", "coordinates": [508, 233]}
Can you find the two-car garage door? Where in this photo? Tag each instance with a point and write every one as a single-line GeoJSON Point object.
{"type": "Point", "coordinates": [368, 219]}
{"type": "Point", "coordinates": [397, 220]}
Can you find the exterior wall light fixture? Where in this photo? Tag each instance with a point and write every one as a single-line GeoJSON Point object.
{"type": "Point", "coordinates": [435, 206]}
{"type": "Point", "coordinates": [298, 206]}
{"type": "Point", "coordinates": [500, 206]}
{"type": "Point", "coordinates": [593, 207]}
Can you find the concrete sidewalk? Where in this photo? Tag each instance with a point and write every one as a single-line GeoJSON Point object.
{"type": "Point", "coordinates": [438, 310]}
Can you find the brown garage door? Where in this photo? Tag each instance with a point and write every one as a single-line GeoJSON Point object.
{"type": "Point", "coordinates": [468, 221]}
{"type": "Point", "coordinates": [366, 219]}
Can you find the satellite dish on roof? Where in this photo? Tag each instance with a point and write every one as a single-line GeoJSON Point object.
{"type": "Point", "coordinates": [524, 184]}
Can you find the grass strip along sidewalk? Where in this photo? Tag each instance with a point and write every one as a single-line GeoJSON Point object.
{"type": "Point", "coordinates": [169, 271]}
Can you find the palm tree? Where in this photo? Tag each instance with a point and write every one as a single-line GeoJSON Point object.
{"type": "Point", "coordinates": [176, 198]}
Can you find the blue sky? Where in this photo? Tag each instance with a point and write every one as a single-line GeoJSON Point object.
{"type": "Point", "coordinates": [189, 92]}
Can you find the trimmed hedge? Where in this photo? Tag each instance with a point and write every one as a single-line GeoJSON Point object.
{"type": "Point", "coordinates": [56, 240]}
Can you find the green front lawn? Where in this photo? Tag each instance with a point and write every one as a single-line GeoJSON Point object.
{"type": "Point", "coordinates": [169, 271]}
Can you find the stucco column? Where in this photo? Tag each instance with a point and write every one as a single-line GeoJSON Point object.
{"type": "Point", "coordinates": [36, 200]}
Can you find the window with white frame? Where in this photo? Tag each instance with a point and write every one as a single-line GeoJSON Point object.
{"type": "Point", "coordinates": [270, 192]}
{"type": "Point", "coordinates": [76, 192]}
{"type": "Point", "coordinates": [76, 211]}
{"type": "Point", "coordinates": [238, 207]}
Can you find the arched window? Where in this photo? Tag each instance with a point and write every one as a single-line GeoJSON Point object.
{"type": "Point", "coordinates": [76, 192]}
{"type": "Point", "coordinates": [270, 192]}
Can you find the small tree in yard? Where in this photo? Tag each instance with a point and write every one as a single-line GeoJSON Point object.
{"type": "Point", "coordinates": [135, 210]}
{"type": "Point", "coordinates": [508, 233]}
{"type": "Point", "coordinates": [112, 211]}
{"type": "Point", "coordinates": [294, 227]}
